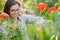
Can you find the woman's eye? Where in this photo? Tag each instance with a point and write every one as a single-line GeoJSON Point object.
{"type": "Point", "coordinates": [12, 10]}
{"type": "Point", "coordinates": [17, 10]}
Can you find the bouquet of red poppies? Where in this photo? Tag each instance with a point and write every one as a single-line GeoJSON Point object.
{"type": "Point", "coordinates": [3, 17]}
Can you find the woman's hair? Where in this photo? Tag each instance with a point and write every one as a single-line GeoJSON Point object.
{"type": "Point", "coordinates": [8, 4]}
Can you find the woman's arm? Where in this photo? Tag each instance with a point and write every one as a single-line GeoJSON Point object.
{"type": "Point", "coordinates": [29, 18]}
{"type": "Point", "coordinates": [36, 19]}
{"type": "Point", "coordinates": [3, 28]}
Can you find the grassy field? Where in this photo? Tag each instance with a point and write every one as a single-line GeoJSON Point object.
{"type": "Point", "coordinates": [49, 32]}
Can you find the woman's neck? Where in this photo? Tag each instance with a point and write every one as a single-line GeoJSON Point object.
{"type": "Point", "coordinates": [15, 22]}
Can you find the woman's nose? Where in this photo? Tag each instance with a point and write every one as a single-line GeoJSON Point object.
{"type": "Point", "coordinates": [16, 12]}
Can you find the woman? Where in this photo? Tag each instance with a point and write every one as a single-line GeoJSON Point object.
{"type": "Point", "coordinates": [12, 8]}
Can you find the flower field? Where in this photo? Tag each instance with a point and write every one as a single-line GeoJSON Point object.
{"type": "Point", "coordinates": [49, 10]}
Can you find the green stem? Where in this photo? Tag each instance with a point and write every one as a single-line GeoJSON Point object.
{"type": "Point", "coordinates": [41, 13]}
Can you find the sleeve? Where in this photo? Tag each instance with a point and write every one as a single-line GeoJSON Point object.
{"type": "Point", "coordinates": [29, 18]}
{"type": "Point", "coordinates": [23, 27]}
{"type": "Point", "coordinates": [36, 19]}
{"type": "Point", "coordinates": [23, 19]}
{"type": "Point", "coordinates": [3, 28]}
{"type": "Point", "coordinates": [40, 21]}
{"type": "Point", "coordinates": [5, 24]}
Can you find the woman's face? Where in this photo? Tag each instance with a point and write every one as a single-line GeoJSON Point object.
{"type": "Point", "coordinates": [14, 11]}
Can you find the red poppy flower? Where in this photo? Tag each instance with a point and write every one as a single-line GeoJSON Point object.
{"type": "Point", "coordinates": [52, 9]}
{"type": "Point", "coordinates": [4, 15]}
{"type": "Point", "coordinates": [41, 6]}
